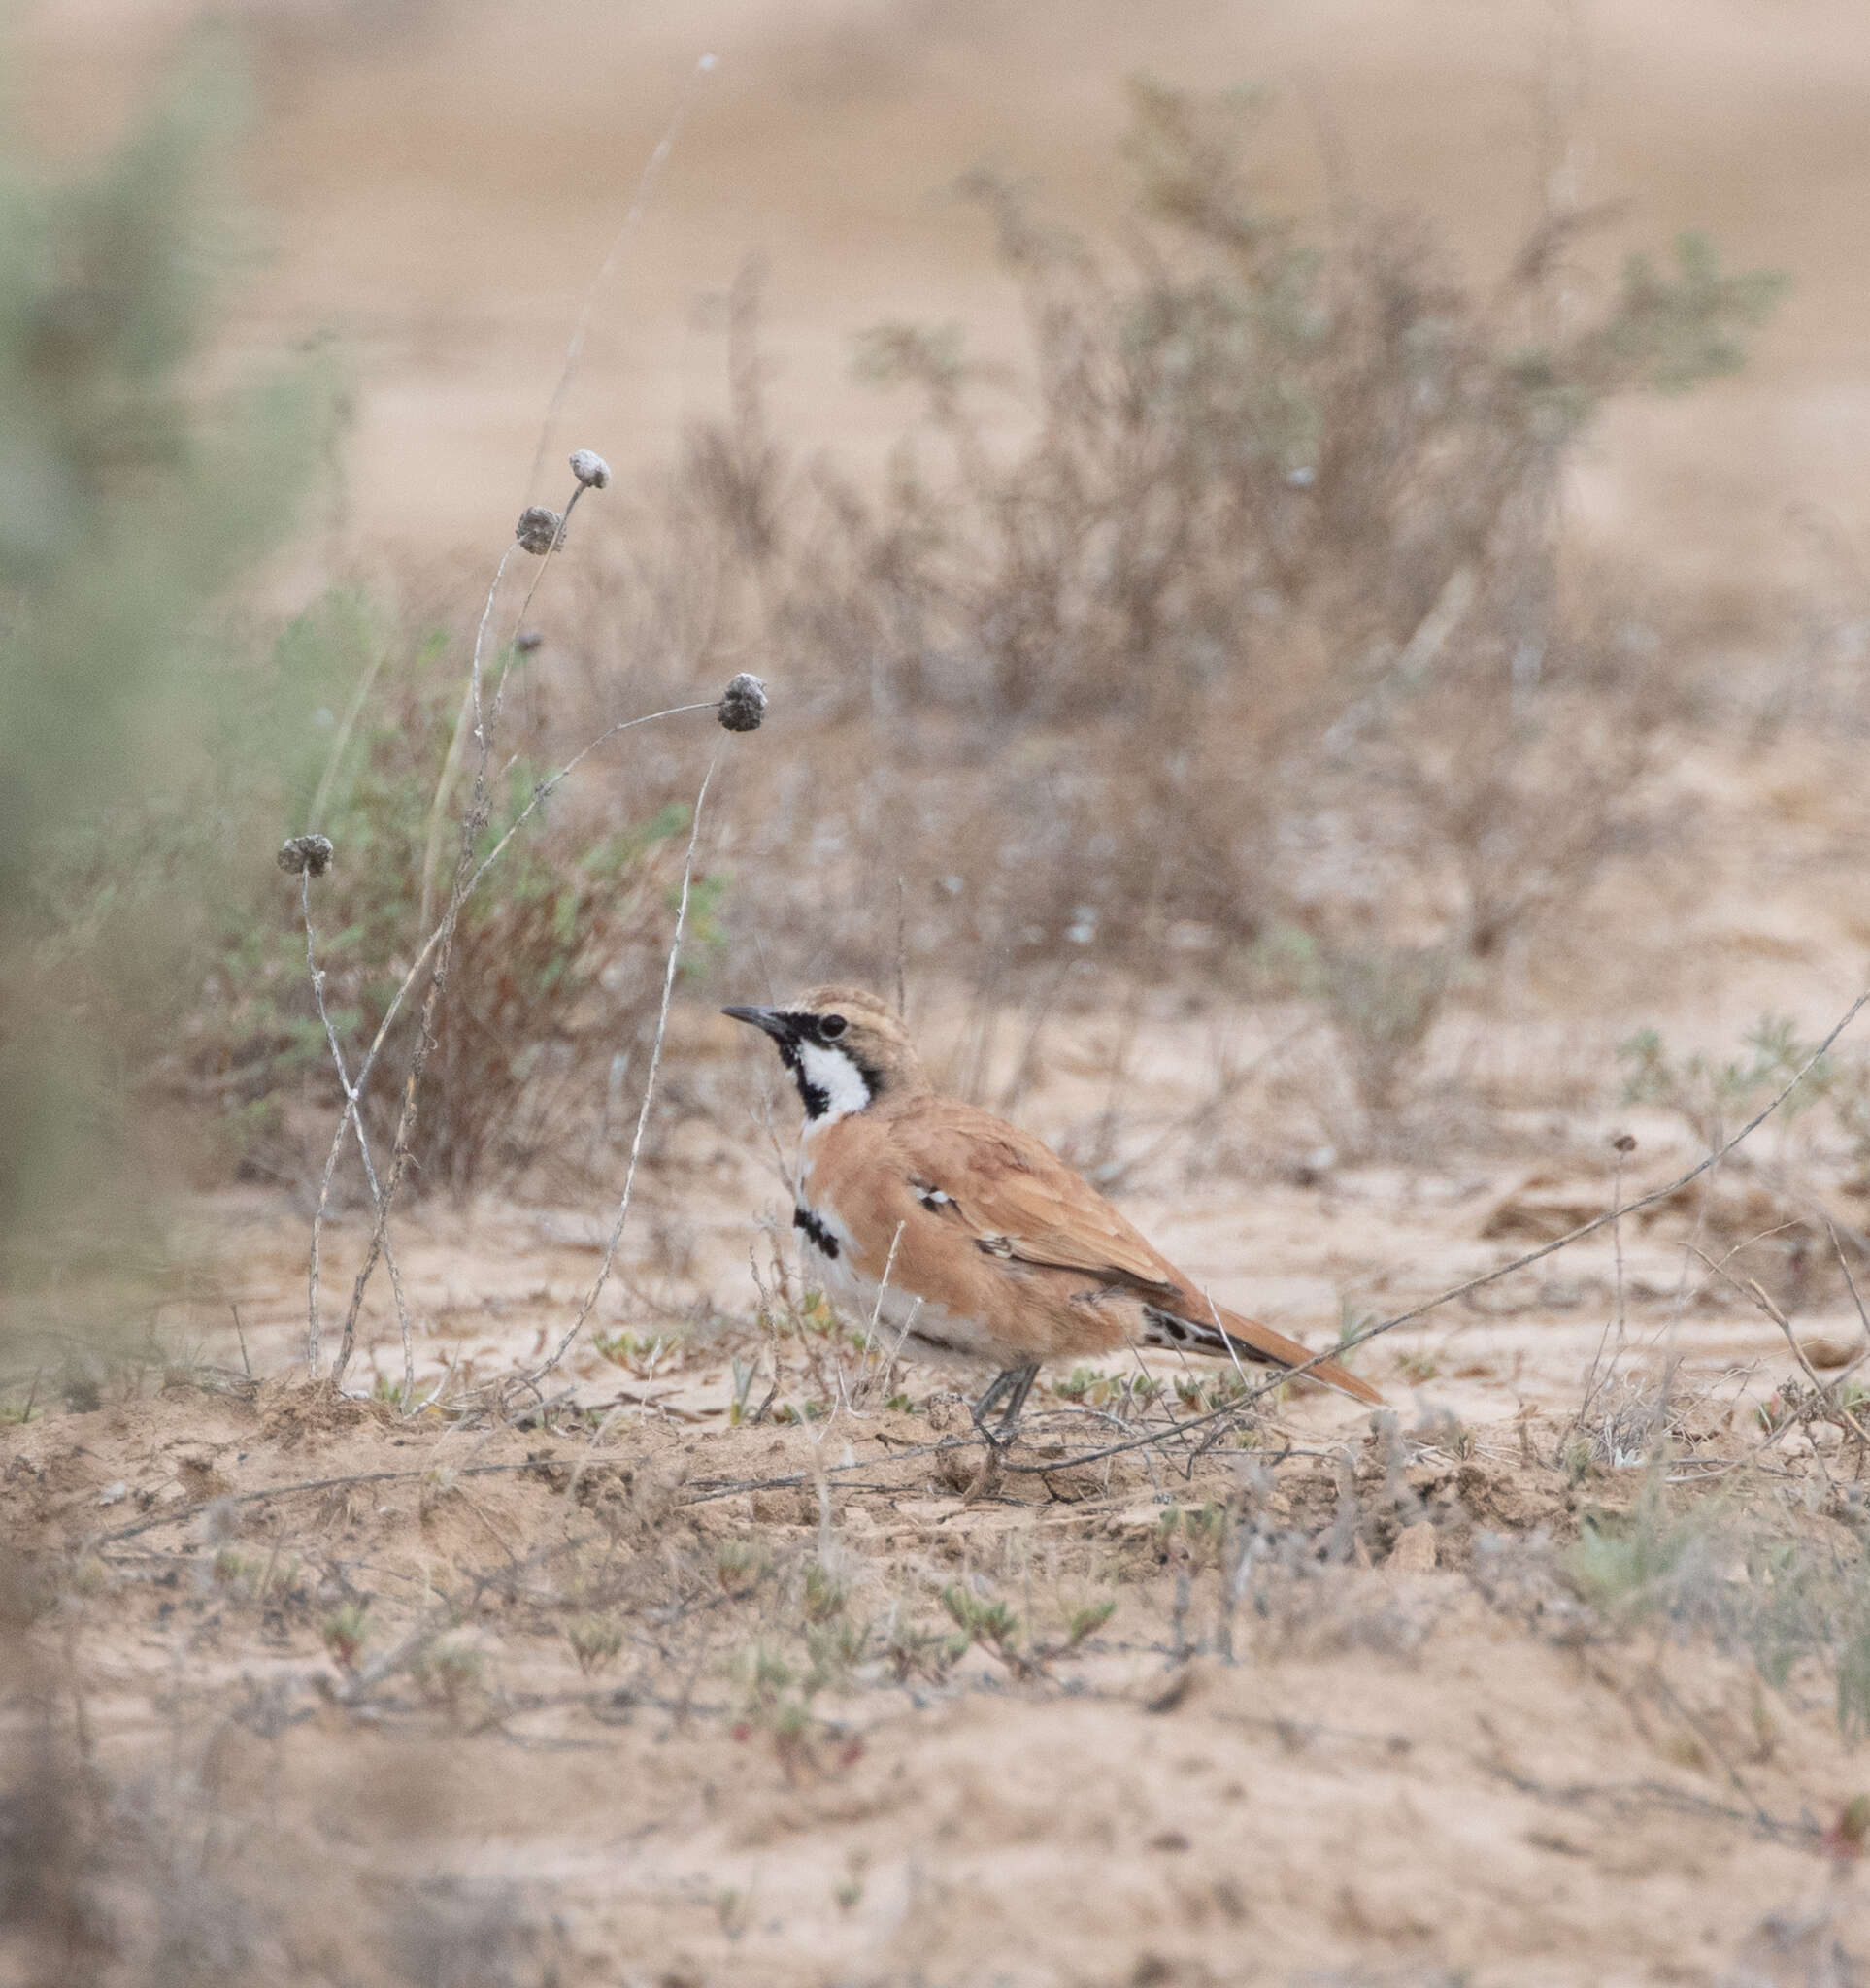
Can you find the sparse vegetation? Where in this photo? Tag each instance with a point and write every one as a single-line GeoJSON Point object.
{"type": "Point", "coordinates": [1730, 1573]}
{"type": "Point", "coordinates": [595, 1641]}
{"type": "Point", "coordinates": [346, 1631]}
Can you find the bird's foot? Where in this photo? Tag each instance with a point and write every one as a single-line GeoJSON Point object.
{"type": "Point", "coordinates": [1012, 1386]}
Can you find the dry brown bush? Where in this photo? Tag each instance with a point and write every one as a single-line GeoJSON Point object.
{"type": "Point", "coordinates": [557, 966]}
{"type": "Point", "coordinates": [1240, 604]}
{"type": "Point", "coordinates": [1238, 611]}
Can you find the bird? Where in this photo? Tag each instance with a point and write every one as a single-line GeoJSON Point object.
{"type": "Point", "coordinates": [969, 1237]}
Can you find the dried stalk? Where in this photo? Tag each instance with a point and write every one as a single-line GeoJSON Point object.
{"type": "Point", "coordinates": [649, 1098]}
{"type": "Point", "coordinates": [645, 187]}
{"type": "Point", "coordinates": [451, 761]}
{"type": "Point", "coordinates": [351, 1117]}
{"type": "Point", "coordinates": [851, 1394]}
{"type": "Point", "coordinates": [473, 820]}
{"type": "Point", "coordinates": [366, 1069]}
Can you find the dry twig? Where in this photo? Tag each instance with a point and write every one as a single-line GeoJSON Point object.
{"type": "Point", "coordinates": [648, 1095]}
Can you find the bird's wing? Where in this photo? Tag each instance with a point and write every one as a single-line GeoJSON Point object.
{"type": "Point", "coordinates": [1019, 1200]}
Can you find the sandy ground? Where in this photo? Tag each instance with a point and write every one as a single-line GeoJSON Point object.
{"type": "Point", "coordinates": [1401, 1749]}
{"type": "Point", "coordinates": [1439, 1768]}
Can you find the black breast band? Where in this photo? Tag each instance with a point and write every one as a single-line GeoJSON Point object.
{"type": "Point", "coordinates": [816, 1231]}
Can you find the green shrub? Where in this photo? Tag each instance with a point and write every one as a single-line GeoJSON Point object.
{"type": "Point", "coordinates": [131, 503]}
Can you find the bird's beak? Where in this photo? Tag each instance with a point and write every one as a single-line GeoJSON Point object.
{"type": "Point", "coordinates": [771, 1019]}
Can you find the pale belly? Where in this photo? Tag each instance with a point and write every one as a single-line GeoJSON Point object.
{"type": "Point", "coordinates": [926, 1331]}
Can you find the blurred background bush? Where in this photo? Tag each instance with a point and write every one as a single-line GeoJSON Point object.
{"type": "Point", "coordinates": [135, 494]}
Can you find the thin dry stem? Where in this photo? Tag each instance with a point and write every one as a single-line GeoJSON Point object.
{"type": "Point", "coordinates": [645, 187]}
{"type": "Point", "coordinates": [451, 760]}
{"type": "Point", "coordinates": [368, 1066]}
{"type": "Point", "coordinates": [351, 1117]}
{"type": "Point", "coordinates": [470, 706]}
{"type": "Point", "coordinates": [870, 1330]}
{"type": "Point", "coordinates": [473, 820]}
{"type": "Point", "coordinates": [648, 1095]}
{"type": "Point", "coordinates": [335, 757]}
{"type": "Point", "coordinates": [1825, 1391]}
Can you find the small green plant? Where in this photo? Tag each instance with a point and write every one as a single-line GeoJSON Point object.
{"type": "Point", "coordinates": [824, 1594]}
{"type": "Point", "coordinates": [848, 1895]}
{"type": "Point", "coordinates": [996, 1629]}
{"type": "Point", "coordinates": [835, 1649]}
{"type": "Point", "coordinates": [249, 1578]}
{"type": "Point", "coordinates": [595, 1641]}
{"type": "Point", "coordinates": [1714, 1098]}
{"type": "Point", "coordinates": [447, 1674]}
{"type": "Point", "coordinates": [1723, 1573]}
{"type": "Point", "coordinates": [1621, 1563]}
{"type": "Point", "coordinates": [346, 1631]}
{"type": "Point", "coordinates": [739, 1566]}
{"type": "Point", "coordinates": [743, 1372]}
{"type": "Point", "coordinates": [777, 1700]}
{"type": "Point", "coordinates": [236, 1571]}
{"type": "Point", "coordinates": [988, 1622]}
{"type": "Point", "coordinates": [769, 1672]}
{"type": "Point", "coordinates": [915, 1650]}
{"type": "Point", "coordinates": [1201, 1529]}
{"type": "Point", "coordinates": [641, 1355]}
{"type": "Point", "coordinates": [1099, 1390]}
{"type": "Point", "coordinates": [1086, 1621]}
{"type": "Point", "coordinates": [1210, 1395]}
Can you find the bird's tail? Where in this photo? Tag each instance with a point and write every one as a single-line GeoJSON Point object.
{"type": "Point", "coordinates": [1224, 1334]}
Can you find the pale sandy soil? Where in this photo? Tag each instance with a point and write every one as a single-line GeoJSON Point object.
{"type": "Point", "coordinates": [1393, 1757]}
{"type": "Point", "coordinates": [1450, 1769]}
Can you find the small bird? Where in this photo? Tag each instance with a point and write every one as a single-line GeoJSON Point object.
{"type": "Point", "coordinates": [968, 1236]}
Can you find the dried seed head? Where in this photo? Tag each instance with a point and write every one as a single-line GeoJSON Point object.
{"type": "Point", "coordinates": [742, 704]}
{"type": "Point", "coordinates": [1623, 1142]}
{"type": "Point", "coordinates": [306, 852]}
{"type": "Point", "coordinates": [591, 468]}
{"type": "Point", "coordinates": [539, 530]}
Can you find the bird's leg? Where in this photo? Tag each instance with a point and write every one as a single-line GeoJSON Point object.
{"type": "Point", "coordinates": [1013, 1384]}
{"type": "Point", "coordinates": [1017, 1406]}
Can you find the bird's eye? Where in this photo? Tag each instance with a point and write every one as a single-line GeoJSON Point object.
{"type": "Point", "coordinates": [831, 1028]}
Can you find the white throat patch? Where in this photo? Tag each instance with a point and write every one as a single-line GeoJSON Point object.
{"type": "Point", "coordinates": [832, 1072]}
